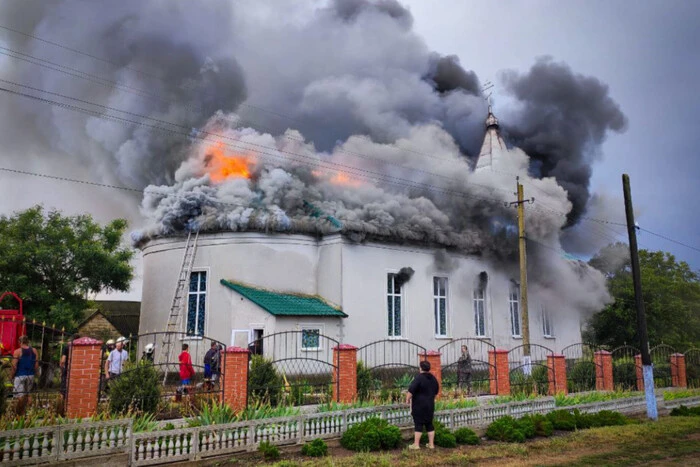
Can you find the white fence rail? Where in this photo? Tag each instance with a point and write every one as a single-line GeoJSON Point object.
{"type": "Point", "coordinates": [81, 440]}
{"type": "Point", "coordinates": [72, 441]}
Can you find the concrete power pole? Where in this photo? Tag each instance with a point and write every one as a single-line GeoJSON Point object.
{"type": "Point", "coordinates": [647, 367]}
{"type": "Point", "coordinates": [523, 271]}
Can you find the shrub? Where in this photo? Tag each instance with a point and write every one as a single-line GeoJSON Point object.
{"type": "Point", "coordinates": [562, 420]}
{"type": "Point", "coordinates": [540, 374]}
{"type": "Point", "coordinates": [366, 383]}
{"type": "Point", "coordinates": [215, 413]}
{"type": "Point", "coordinates": [270, 452]}
{"type": "Point", "coordinates": [443, 437]}
{"type": "Point", "coordinates": [136, 389]}
{"type": "Point", "coordinates": [5, 391]}
{"type": "Point", "coordinates": [582, 376]}
{"type": "Point", "coordinates": [316, 448]}
{"type": "Point", "coordinates": [264, 381]}
{"type": "Point", "coordinates": [610, 418]}
{"type": "Point", "coordinates": [625, 373]}
{"type": "Point", "coordinates": [527, 426]}
{"type": "Point", "coordinates": [466, 436]}
{"type": "Point", "coordinates": [371, 435]}
{"type": "Point", "coordinates": [505, 429]}
{"type": "Point", "coordinates": [684, 411]}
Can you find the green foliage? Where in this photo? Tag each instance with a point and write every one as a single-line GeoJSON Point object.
{"type": "Point", "coordinates": [516, 397]}
{"type": "Point", "coordinates": [53, 261]}
{"type": "Point", "coordinates": [215, 413]}
{"type": "Point", "coordinates": [569, 421]}
{"type": "Point", "coordinates": [505, 429]}
{"type": "Point", "coordinates": [680, 394]}
{"type": "Point", "coordinates": [269, 451]}
{"type": "Point", "coordinates": [543, 427]}
{"type": "Point", "coordinates": [443, 437]}
{"type": "Point", "coordinates": [535, 383]}
{"type": "Point", "coordinates": [582, 376]}
{"type": "Point", "coordinates": [264, 381]}
{"type": "Point", "coordinates": [5, 391]}
{"type": "Point", "coordinates": [684, 411]}
{"type": "Point", "coordinates": [466, 436]}
{"type": "Point", "coordinates": [562, 420]}
{"type": "Point", "coordinates": [138, 389]}
{"type": "Point", "coordinates": [667, 285]}
{"type": "Point", "coordinates": [562, 400]}
{"type": "Point", "coordinates": [169, 426]}
{"type": "Point", "coordinates": [316, 448]}
{"type": "Point", "coordinates": [609, 418]}
{"type": "Point", "coordinates": [527, 426]}
{"type": "Point", "coordinates": [450, 404]}
{"type": "Point", "coordinates": [145, 422]}
{"type": "Point", "coordinates": [366, 383]}
{"type": "Point", "coordinates": [371, 435]}
{"type": "Point", "coordinates": [625, 374]}
{"type": "Point", "coordinates": [403, 381]}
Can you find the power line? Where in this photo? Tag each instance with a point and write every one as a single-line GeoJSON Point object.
{"type": "Point", "coordinates": [670, 239]}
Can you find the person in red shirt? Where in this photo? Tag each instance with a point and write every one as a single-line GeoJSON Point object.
{"type": "Point", "coordinates": [186, 369]}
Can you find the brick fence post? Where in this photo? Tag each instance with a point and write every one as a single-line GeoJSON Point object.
{"type": "Point", "coordinates": [499, 372]}
{"type": "Point", "coordinates": [604, 371]}
{"type": "Point", "coordinates": [434, 358]}
{"type": "Point", "coordinates": [234, 382]}
{"type": "Point", "coordinates": [345, 377]}
{"type": "Point", "coordinates": [557, 374]}
{"type": "Point", "coordinates": [640, 374]}
{"type": "Point", "coordinates": [678, 372]}
{"type": "Point", "coordinates": [83, 377]}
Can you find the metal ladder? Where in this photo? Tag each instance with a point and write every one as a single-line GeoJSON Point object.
{"type": "Point", "coordinates": [181, 292]}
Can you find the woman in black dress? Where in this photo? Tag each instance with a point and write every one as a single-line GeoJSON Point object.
{"type": "Point", "coordinates": [421, 395]}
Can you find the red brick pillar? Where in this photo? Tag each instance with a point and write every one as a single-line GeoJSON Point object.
{"type": "Point", "coordinates": [603, 371]}
{"type": "Point", "coordinates": [433, 357]}
{"type": "Point", "coordinates": [345, 377]}
{"type": "Point", "coordinates": [678, 375]}
{"type": "Point", "coordinates": [499, 372]}
{"type": "Point", "coordinates": [640, 374]}
{"type": "Point", "coordinates": [557, 374]}
{"type": "Point", "coordinates": [83, 377]}
{"type": "Point", "coordinates": [234, 381]}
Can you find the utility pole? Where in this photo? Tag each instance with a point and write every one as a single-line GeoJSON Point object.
{"type": "Point", "coordinates": [647, 368]}
{"type": "Point", "coordinates": [523, 271]}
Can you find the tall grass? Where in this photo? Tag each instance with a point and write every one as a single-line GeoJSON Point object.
{"type": "Point", "coordinates": [562, 400]}
{"type": "Point", "coordinates": [681, 394]}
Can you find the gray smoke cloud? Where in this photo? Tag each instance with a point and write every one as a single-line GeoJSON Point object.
{"type": "Point", "coordinates": [340, 104]}
{"type": "Point", "coordinates": [562, 119]}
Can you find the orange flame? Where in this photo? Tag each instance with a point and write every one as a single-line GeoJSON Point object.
{"type": "Point", "coordinates": [222, 166]}
{"type": "Point", "coordinates": [337, 178]}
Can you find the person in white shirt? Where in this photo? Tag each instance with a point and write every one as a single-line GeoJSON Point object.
{"type": "Point", "coordinates": [116, 360]}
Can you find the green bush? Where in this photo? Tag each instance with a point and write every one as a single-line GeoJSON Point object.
{"type": "Point", "coordinates": [5, 391]}
{"type": "Point", "coordinates": [535, 383]}
{"type": "Point", "coordinates": [443, 437]}
{"type": "Point", "coordinates": [582, 376]}
{"type": "Point", "coordinates": [316, 448]}
{"type": "Point", "coordinates": [264, 381]}
{"type": "Point", "coordinates": [662, 375]}
{"type": "Point", "coordinates": [466, 436]}
{"type": "Point", "coordinates": [269, 451]}
{"type": "Point", "coordinates": [541, 376]}
{"type": "Point", "coordinates": [505, 429]}
{"type": "Point", "coordinates": [371, 435]}
{"type": "Point", "coordinates": [625, 374]}
{"type": "Point", "coordinates": [366, 383]}
{"type": "Point", "coordinates": [527, 426]}
{"type": "Point", "coordinates": [138, 388]}
{"type": "Point", "coordinates": [684, 411]}
{"type": "Point", "coordinates": [610, 418]}
{"type": "Point", "coordinates": [562, 420]}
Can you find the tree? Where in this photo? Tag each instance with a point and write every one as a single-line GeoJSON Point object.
{"type": "Point", "coordinates": [671, 294]}
{"type": "Point", "coordinates": [52, 262]}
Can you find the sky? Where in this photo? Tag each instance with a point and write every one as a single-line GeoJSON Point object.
{"type": "Point", "coordinates": [645, 52]}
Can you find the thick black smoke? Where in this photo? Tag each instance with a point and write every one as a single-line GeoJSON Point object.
{"type": "Point", "coordinates": [563, 119]}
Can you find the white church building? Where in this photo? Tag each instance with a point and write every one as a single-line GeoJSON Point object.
{"type": "Point", "coordinates": [245, 285]}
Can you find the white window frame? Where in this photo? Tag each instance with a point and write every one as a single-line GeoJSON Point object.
{"type": "Point", "coordinates": [547, 324]}
{"type": "Point", "coordinates": [197, 335]}
{"type": "Point", "coordinates": [436, 308]}
{"type": "Point", "coordinates": [311, 327]}
{"type": "Point", "coordinates": [391, 312]}
{"type": "Point", "coordinates": [475, 301]}
{"type": "Point", "coordinates": [515, 312]}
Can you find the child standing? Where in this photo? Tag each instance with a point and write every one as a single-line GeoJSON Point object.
{"type": "Point", "coordinates": [186, 369]}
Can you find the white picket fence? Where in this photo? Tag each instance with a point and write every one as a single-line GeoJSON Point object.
{"type": "Point", "coordinates": [81, 440]}
{"type": "Point", "coordinates": [61, 442]}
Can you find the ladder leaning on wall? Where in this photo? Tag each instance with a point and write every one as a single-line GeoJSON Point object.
{"type": "Point", "coordinates": [176, 311]}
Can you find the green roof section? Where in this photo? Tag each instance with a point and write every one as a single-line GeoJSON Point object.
{"type": "Point", "coordinates": [285, 304]}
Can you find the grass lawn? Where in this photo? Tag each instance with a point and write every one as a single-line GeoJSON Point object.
{"type": "Point", "coordinates": [670, 441]}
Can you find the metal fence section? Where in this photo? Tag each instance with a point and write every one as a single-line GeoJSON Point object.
{"type": "Point", "coordinates": [530, 374]}
{"type": "Point", "coordinates": [294, 367]}
{"type": "Point", "coordinates": [392, 363]}
{"type": "Point", "coordinates": [145, 349]}
{"type": "Point", "coordinates": [625, 367]}
{"type": "Point", "coordinates": [581, 366]}
{"type": "Point", "coordinates": [661, 359]}
{"type": "Point", "coordinates": [692, 367]}
{"type": "Point", "coordinates": [466, 367]}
